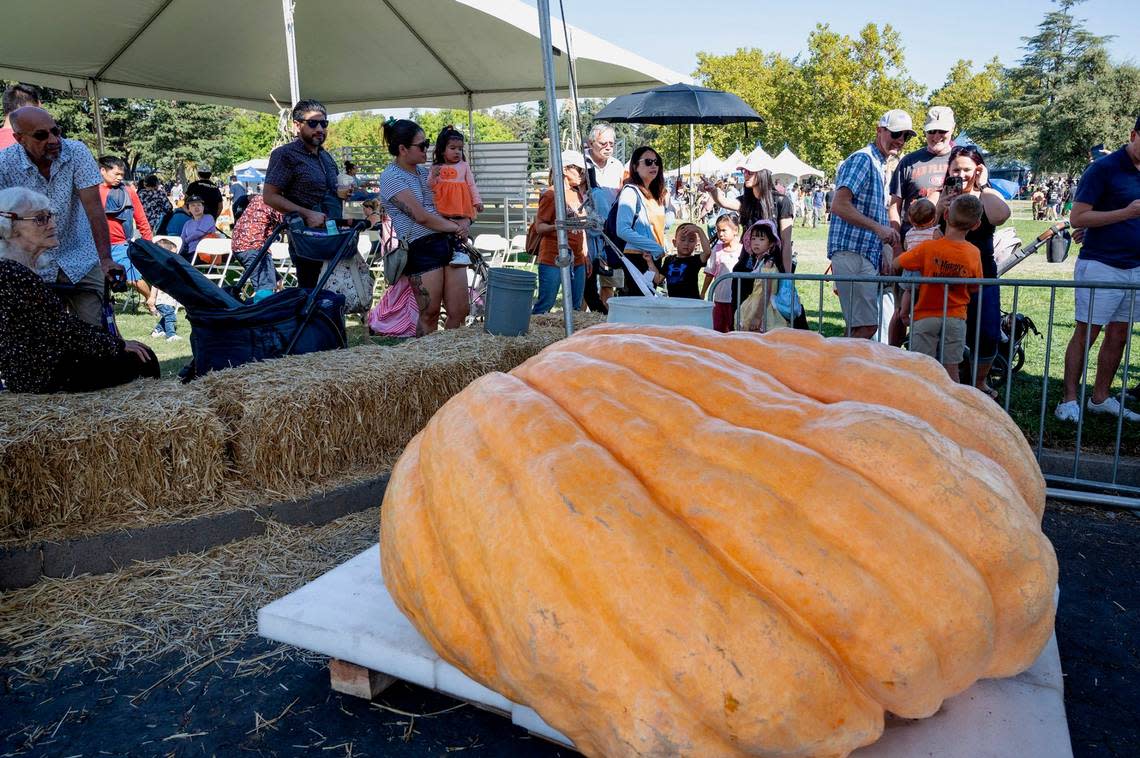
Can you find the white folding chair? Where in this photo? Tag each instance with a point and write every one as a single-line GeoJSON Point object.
{"type": "Point", "coordinates": [213, 257]}
{"type": "Point", "coordinates": [279, 251]}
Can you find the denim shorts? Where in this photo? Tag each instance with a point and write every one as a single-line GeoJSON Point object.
{"type": "Point", "coordinates": [428, 253]}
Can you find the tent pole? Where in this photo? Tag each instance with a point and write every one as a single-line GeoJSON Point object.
{"type": "Point", "coordinates": [97, 117]}
{"type": "Point", "coordinates": [691, 159]}
{"type": "Point", "coordinates": [291, 52]}
{"type": "Point", "coordinates": [564, 260]}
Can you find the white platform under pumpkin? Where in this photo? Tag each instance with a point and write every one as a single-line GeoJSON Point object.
{"type": "Point", "coordinates": [348, 614]}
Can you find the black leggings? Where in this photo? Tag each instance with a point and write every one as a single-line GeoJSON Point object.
{"type": "Point", "coordinates": [87, 374]}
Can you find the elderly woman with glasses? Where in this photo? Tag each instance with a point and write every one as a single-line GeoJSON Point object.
{"type": "Point", "coordinates": [967, 174]}
{"type": "Point", "coordinates": [44, 348]}
{"type": "Point", "coordinates": [431, 238]}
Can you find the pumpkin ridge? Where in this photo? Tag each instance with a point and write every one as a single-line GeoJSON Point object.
{"type": "Point", "coordinates": [1012, 621]}
{"type": "Point", "coordinates": [875, 574]}
{"type": "Point", "coordinates": [790, 348]}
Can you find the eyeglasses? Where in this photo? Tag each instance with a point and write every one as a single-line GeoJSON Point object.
{"type": "Point", "coordinates": [43, 218]}
{"type": "Point", "coordinates": [313, 123]}
{"type": "Point", "coordinates": [605, 144]}
{"type": "Point", "coordinates": [422, 145]}
{"type": "Point", "coordinates": [896, 135]}
{"type": "Point", "coordinates": [651, 161]}
{"type": "Point", "coordinates": [939, 132]}
{"type": "Point", "coordinates": [41, 135]}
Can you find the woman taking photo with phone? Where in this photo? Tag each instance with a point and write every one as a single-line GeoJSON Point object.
{"type": "Point", "coordinates": [967, 174]}
{"type": "Point", "coordinates": [429, 236]}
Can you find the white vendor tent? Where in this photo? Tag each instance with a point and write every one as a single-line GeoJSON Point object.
{"type": "Point", "coordinates": [350, 54]}
{"type": "Point", "coordinates": [732, 162]}
{"type": "Point", "coordinates": [706, 165]}
{"type": "Point", "coordinates": [787, 164]}
{"type": "Point", "coordinates": [760, 158]}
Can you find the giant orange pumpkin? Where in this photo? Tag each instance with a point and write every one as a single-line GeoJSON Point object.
{"type": "Point", "coordinates": [671, 541]}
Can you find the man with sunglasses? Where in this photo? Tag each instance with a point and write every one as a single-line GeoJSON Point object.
{"type": "Point", "coordinates": [605, 174]}
{"type": "Point", "coordinates": [64, 171]}
{"type": "Point", "coordinates": [919, 174]}
{"type": "Point", "coordinates": [301, 178]}
{"type": "Point", "coordinates": [860, 230]}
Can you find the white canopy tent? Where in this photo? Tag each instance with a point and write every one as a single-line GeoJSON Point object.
{"type": "Point", "coordinates": [706, 165]}
{"type": "Point", "coordinates": [787, 164]}
{"type": "Point", "coordinates": [350, 54]}
{"type": "Point", "coordinates": [760, 158]}
{"type": "Point", "coordinates": [732, 162]}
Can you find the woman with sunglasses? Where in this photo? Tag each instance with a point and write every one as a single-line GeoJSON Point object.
{"type": "Point", "coordinates": [429, 236]}
{"type": "Point", "coordinates": [641, 212]}
{"type": "Point", "coordinates": [967, 174]}
{"type": "Point", "coordinates": [43, 347]}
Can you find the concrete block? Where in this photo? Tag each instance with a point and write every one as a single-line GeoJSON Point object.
{"type": "Point", "coordinates": [327, 506]}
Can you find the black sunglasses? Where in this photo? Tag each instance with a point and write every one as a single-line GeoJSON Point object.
{"type": "Point", "coordinates": [421, 145]}
{"type": "Point", "coordinates": [896, 135]}
{"type": "Point", "coordinates": [651, 161]}
{"type": "Point", "coordinates": [41, 135]}
{"type": "Point", "coordinates": [313, 123]}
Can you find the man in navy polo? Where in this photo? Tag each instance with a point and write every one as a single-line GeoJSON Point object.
{"type": "Point", "coordinates": [1107, 206]}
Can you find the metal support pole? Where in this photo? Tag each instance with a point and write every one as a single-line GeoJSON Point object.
{"type": "Point", "coordinates": [691, 159]}
{"type": "Point", "coordinates": [97, 117]}
{"type": "Point", "coordinates": [291, 51]}
{"type": "Point", "coordinates": [564, 259]}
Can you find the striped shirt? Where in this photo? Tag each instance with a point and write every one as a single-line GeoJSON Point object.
{"type": "Point", "coordinates": [864, 173]}
{"type": "Point", "coordinates": [395, 180]}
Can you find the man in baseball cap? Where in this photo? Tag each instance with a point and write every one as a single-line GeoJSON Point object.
{"type": "Point", "coordinates": [860, 224]}
{"type": "Point", "coordinates": [919, 174]}
{"type": "Point", "coordinates": [208, 191]}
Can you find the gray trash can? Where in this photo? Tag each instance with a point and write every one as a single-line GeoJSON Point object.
{"type": "Point", "coordinates": [510, 296]}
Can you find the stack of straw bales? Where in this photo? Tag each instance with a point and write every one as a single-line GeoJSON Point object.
{"type": "Point", "coordinates": [274, 430]}
{"type": "Point", "coordinates": [80, 458]}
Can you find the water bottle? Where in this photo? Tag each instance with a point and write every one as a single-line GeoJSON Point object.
{"type": "Point", "coordinates": [330, 226]}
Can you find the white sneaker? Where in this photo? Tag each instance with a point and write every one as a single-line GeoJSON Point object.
{"type": "Point", "coordinates": [173, 338]}
{"type": "Point", "coordinates": [1069, 411]}
{"type": "Point", "coordinates": [1111, 407]}
{"type": "Point", "coordinates": [156, 332]}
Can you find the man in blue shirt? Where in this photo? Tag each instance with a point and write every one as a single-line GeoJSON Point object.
{"type": "Point", "coordinates": [860, 227]}
{"type": "Point", "coordinates": [1107, 206]}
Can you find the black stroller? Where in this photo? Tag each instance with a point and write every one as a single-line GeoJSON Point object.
{"type": "Point", "coordinates": [228, 331]}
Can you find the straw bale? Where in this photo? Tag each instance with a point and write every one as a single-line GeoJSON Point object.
{"type": "Point", "coordinates": [303, 419]}
{"type": "Point", "coordinates": [68, 459]}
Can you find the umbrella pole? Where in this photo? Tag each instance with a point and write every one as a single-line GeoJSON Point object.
{"type": "Point", "coordinates": [691, 171]}
{"type": "Point", "coordinates": [291, 51]}
{"type": "Point", "coordinates": [564, 259]}
{"type": "Point", "coordinates": [97, 117]}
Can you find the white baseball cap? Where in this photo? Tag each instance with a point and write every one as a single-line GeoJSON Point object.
{"type": "Point", "coordinates": [897, 120]}
{"type": "Point", "coordinates": [940, 118]}
{"type": "Point", "coordinates": [573, 158]}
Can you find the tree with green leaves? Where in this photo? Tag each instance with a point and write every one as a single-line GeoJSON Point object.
{"type": "Point", "coordinates": [1064, 96]}
{"type": "Point", "coordinates": [970, 94]}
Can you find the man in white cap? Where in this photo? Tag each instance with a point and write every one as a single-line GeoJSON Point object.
{"type": "Point", "coordinates": [920, 174]}
{"type": "Point", "coordinates": [860, 227]}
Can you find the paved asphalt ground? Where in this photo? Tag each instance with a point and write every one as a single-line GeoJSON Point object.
{"type": "Point", "coordinates": [289, 710]}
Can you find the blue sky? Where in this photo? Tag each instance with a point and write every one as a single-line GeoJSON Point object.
{"type": "Point", "coordinates": [935, 34]}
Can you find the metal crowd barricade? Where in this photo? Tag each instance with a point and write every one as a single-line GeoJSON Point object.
{"type": "Point", "coordinates": [1071, 474]}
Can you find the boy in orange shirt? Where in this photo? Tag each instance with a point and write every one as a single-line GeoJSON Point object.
{"type": "Point", "coordinates": [948, 257]}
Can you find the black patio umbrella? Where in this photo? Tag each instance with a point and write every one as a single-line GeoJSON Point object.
{"type": "Point", "coordinates": [679, 104]}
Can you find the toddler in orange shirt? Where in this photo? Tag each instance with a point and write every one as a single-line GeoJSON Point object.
{"type": "Point", "coordinates": [944, 339]}
{"type": "Point", "coordinates": [452, 184]}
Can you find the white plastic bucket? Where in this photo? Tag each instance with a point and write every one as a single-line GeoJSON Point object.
{"type": "Point", "coordinates": [660, 311]}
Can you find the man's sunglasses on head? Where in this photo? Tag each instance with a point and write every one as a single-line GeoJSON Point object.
{"type": "Point", "coordinates": [313, 123]}
{"type": "Point", "coordinates": [41, 135]}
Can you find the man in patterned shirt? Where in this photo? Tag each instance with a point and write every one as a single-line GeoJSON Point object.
{"type": "Point", "coordinates": [860, 226]}
{"type": "Point", "coordinates": [65, 171]}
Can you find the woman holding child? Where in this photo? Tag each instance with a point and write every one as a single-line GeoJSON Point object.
{"type": "Point", "coordinates": [966, 174]}
{"type": "Point", "coordinates": [43, 348]}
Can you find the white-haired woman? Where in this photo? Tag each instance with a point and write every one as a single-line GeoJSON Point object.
{"type": "Point", "coordinates": [43, 348]}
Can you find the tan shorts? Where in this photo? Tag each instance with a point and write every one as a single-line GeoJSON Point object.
{"type": "Point", "coordinates": [859, 300]}
{"type": "Point", "coordinates": [617, 281]}
{"type": "Point", "coordinates": [927, 332]}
